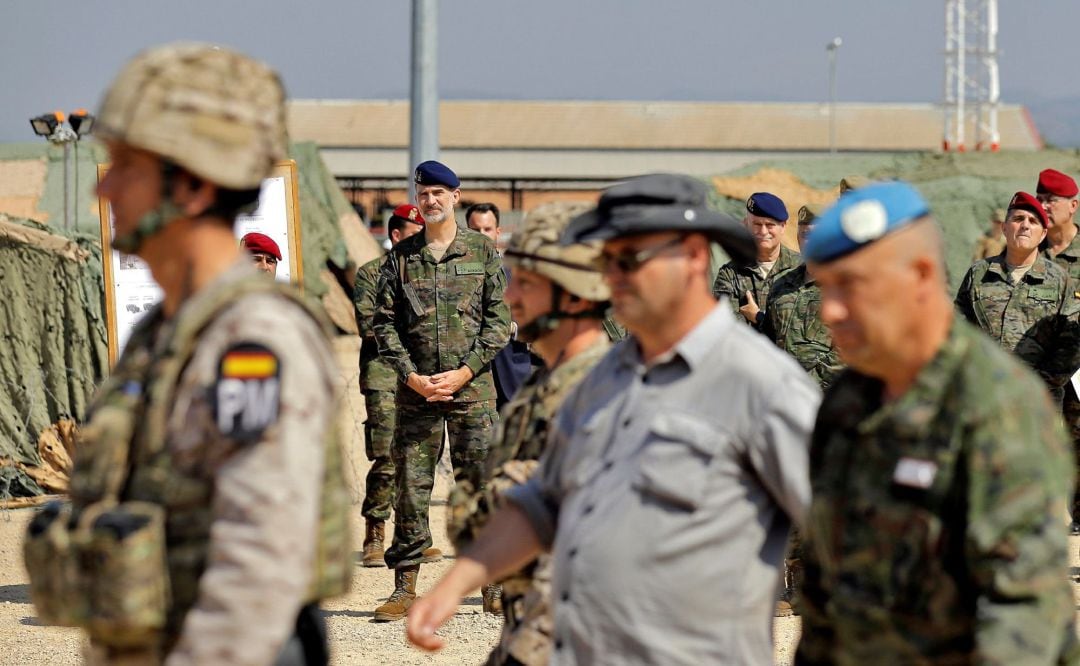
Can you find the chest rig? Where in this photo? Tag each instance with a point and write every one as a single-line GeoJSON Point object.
{"type": "Point", "coordinates": [123, 558]}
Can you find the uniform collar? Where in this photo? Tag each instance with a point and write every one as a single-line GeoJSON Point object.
{"type": "Point", "coordinates": [913, 412]}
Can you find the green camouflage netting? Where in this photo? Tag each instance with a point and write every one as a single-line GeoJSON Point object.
{"type": "Point", "coordinates": [962, 189]}
{"type": "Point", "coordinates": [55, 351]}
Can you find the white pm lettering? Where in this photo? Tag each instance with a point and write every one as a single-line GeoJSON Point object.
{"type": "Point", "coordinates": [253, 402]}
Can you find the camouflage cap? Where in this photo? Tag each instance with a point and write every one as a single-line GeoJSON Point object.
{"type": "Point", "coordinates": [999, 215]}
{"type": "Point", "coordinates": [848, 183]}
{"type": "Point", "coordinates": [810, 212]}
{"type": "Point", "coordinates": [536, 247]}
{"type": "Point", "coordinates": [212, 111]}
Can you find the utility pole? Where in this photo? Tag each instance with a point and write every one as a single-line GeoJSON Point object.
{"type": "Point", "coordinates": [972, 88]}
{"type": "Point", "coordinates": [424, 96]}
{"type": "Point", "coordinates": [831, 49]}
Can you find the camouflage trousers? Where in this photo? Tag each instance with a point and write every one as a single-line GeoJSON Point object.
{"type": "Point", "coordinates": [418, 440]}
{"type": "Point", "coordinates": [529, 625]}
{"type": "Point", "coordinates": [1071, 412]}
{"type": "Point", "coordinates": [378, 440]}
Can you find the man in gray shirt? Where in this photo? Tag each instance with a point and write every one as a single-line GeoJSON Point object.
{"type": "Point", "coordinates": [674, 471]}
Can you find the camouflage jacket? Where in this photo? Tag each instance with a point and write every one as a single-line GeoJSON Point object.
{"type": "Point", "coordinates": [793, 322]}
{"type": "Point", "coordinates": [375, 373]}
{"type": "Point", "coordinates": [434, 316]}
{"type": "Point", "coordinates": [1069, 258]}
{"type": "Point", "coordinates": [1011, 312]}
{"type": "Point", "coordinates": [735, 279]}
{"type": "Point", "coordinates": [988, 246]}
{"type": "Point", "coordinates": [520, 435]}
{"type": "Point", "coordinates": [936, 533]}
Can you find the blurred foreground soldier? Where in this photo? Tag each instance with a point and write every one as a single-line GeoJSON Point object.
{"type": "Point", "coordinates": [992, 243]}
{"type": "Point", "coordinates": [673, 471]}
{"type": "Point", "coordinates": [793, 317]}
{"type": "Point", "coordinates": [513, 363]}
{"type": "Point", "coordinates": [1057, 192]}
{"type": "Point", "coordinates": [940, 472]}
{"type": "Point", "coordinates": [1013, 295]}
{"type": "Point", "coordinates": [439, 320]}
{"type": "Point", "coordinates": [746, 284]}
{"type": "Point", "coordinates": [558, 299]}
{"type": "Point", "coordinates": [379, 384]}
{"type": "Point", "coordinates": [265, 253]}
{"type": "Point", "coordinates": [208, 506]}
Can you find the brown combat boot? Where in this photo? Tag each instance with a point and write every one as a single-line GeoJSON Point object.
{"type": "Point", "coordinates": [492, 595]}
{"type": "Point", "coordinates": [373, 545]}
{"type": "Point", "coordinates": [430, 555]}
{"type": "Point", "coordinates": [785, 605]}
{"type": "Point", "coordinates": [401, 599]}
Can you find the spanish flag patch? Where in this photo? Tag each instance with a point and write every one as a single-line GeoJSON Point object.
{"type": "Point", "coordinates": [246, 396]}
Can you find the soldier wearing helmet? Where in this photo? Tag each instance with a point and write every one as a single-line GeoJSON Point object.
{"type": "Point", "coordinates": [557, 296]}
{"type": "Point", "coordinates": [216, 424]}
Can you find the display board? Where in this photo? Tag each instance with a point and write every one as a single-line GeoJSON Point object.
{"type": "Point", "coordinates": [130, 289]}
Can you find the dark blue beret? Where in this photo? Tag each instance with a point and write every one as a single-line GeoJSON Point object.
{"type": "Point", "coordinates": [435, 173]}
{"type": "Point", "coordinates": [764, 204]}
{"type": "Point", "coordinates": [861, 217]}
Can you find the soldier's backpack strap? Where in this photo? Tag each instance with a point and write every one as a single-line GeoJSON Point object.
{"type": "Point", "coordinates": [333, 556]}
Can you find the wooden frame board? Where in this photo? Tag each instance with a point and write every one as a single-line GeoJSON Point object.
{"type": "Point", "coordinates": [130, 290]}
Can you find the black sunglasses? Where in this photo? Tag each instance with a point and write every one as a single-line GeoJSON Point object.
{"type": "Point", "coordinates": [628, 262]}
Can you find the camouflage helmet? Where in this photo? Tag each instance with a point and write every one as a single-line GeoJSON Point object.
{"type": "Point", "coordinates": [535, 247]}
{"type": "Point", "coordinates": [212, 111]}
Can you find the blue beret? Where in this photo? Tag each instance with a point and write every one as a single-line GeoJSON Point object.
{"type": "Point", "coordinates": [764, 204]}
{"type": "Point", "coordinates": [861, 217]}
{"type": "Point", "coordinates": [435, 173]}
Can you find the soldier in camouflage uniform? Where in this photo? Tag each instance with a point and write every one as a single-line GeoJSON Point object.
{"type": "Point", "coordinates": [1057, 192]}
{"type": "Point", "coordinates": [992, 243]}
{"type": "Point", "coordinates": [557, 298]}
{"type": "Point", "coordinates": [378, 383]}
{"type": "Point", "coordinates": [792, 318]}
{"type": "Point", "coordinates": [439, 320]}
{"type": "Point", "coordinates": [746, 284]}
{"type": "Point", "coordinates": [939, 471]}
{"type": "Point", "coordinates": [219, 414]}
{"type": "Point", "coordinates": [1009, 295]}
{"type": "Point", "coordinates": [793, 322]}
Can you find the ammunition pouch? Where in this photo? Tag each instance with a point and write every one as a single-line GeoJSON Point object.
{"type": "Point", "coordinates": [103, 570]}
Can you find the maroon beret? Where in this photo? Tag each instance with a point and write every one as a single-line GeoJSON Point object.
{"type": "Point", "coordinates": [1054, 182]}
{"type": "Point", "coordinates": [1024, 201]}
{"type": "Point", "coordinates": [256, 242]}
{"type": "Point", "coordinates": [409, 213]}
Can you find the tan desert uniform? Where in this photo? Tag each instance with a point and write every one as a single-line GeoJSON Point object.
{"type": "Point", "coordinates": [264, 511]}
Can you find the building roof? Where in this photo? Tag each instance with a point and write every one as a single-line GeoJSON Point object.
{"type": "Point", "coordinates": [593, 125]}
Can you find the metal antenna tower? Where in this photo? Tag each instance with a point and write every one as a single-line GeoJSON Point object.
{"type": "Point", "coordinates": [972, 91]}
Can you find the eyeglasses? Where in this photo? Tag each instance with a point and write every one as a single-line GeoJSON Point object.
{"type": "Point", "coordinates": [1049, 198]}
{"type": "Point", "coordinates": [628, 262]}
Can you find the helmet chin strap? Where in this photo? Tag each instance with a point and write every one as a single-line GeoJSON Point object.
{"type": "Point", "coordinates": [549, 321]}
{"type": "Point", "coordinates": [155, 219]}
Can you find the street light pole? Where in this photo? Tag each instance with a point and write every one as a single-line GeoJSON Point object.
{"type": "Point", "coordinates": [831, 49]}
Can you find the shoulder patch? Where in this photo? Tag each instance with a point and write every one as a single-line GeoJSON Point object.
{"type": "Point", "coordinates": [246, 395]}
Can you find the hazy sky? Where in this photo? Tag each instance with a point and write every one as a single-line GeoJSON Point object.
{"type": "Point", "coordinates": [61, 55]}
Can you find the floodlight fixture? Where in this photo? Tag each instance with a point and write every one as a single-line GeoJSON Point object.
{"type": "Point", "coordinates": [46, 124]}
{"type": "Point", "coordinates": [81, 121]}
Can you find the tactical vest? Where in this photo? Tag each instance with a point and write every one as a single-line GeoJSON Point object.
{"type": "Point", "coordinates": [126, 468]}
